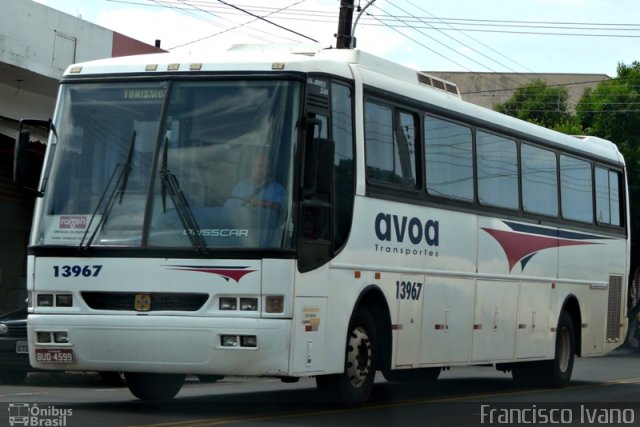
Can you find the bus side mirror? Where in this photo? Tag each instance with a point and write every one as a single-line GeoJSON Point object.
{"type": "Point", "coordinates": [319, 169]}
{"type": "Point", "coordinates": [21, 158]}
{"type": "Point", "coordinates": [21, 176]}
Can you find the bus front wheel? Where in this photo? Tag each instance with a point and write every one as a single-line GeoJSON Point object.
{"type": "Point", "coordinates": [354, 385]}
{"type": "Point", "coordinates": [147, 386]}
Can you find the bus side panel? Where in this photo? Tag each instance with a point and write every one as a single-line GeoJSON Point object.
{"type": "Point", "coordinates": [534, 338]}
{"type": "Point", "coordinates": [309, 335]}
{"type": "Point", "coordinates": [600, 266]}
{"type": "Point", "coordinates": [447, 324]}
{"type": "Point", "coordinates": [495, 321]}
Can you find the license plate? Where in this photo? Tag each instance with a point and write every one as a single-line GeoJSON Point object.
{"type": "Point", "coordinates": [54, 355]}
{"type": "Point", "coordinates": [22, 347]}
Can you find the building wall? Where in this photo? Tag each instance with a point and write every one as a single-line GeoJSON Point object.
{"type": "Point", "coordinates": [37, 44]}
{"type": "Point", "coordinates": [42, 40]}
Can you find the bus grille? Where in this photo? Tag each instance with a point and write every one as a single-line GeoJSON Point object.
{"type": "Point", "coordinates": [159, 301]}
{"type": "Point", "coordinates": [614, 309]}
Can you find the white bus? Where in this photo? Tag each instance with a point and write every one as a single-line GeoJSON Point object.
{"type": "Point", "coordinates": [319, 213]}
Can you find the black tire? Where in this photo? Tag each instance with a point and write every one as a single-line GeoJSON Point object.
{"type": "Point", "coordinates": [413, 376]}
{"type": "Point", "coordinates": [115, 379]}
{"type": "Point", "coordinates": [146, 386]}
{"type": "Point", "coordinates": [353, 386]}
{"type": "Point", "coordinates": [210, 378]}
{"type": "Point", "coordinates": [14, 376]}
{"type": "Point", "coordinates": [556, 372]}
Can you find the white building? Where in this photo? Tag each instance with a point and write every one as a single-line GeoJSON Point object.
{"type": "Point", "coordinates": [36, 44]}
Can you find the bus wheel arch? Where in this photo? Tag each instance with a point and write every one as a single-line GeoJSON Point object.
{"type": "Point", "coordinates": [555, 372]}
{"type": "Point", "coordinates": [365, 352]}
{"type": "Point", "coordinates": [373, 299]}
{"type": "Point", "coordinates": [572, 307]}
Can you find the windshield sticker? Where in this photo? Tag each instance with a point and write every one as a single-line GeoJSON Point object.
{"type": "Point", "coordinates": [68, 229]}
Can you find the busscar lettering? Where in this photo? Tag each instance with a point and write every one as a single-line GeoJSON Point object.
{"type": "Point", "coordinates": [222, 232]}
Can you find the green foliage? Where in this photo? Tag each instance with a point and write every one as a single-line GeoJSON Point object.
{"type": "Point", "coordinates": [612, 110]}
{"type": "Point", "coordinates": [539, 104]}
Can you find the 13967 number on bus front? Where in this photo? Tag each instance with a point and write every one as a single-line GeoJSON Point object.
{"type": "Point", "coordinates": [76, 270]}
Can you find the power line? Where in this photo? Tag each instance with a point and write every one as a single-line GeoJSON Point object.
{"type": "Point", "coordinates": [411, 20]}
{"type": "Point", "coordinates": [267, 21]}
{"type": "Point", "coordinates": [233, 28]}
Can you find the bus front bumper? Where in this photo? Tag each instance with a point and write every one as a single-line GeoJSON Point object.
{"type": "Point", "coordinates": [161, 344]}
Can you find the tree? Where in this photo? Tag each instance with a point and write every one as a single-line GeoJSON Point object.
{"type": "Point", "coordinates": [612, 111]}
{"type": "Point", "coordinates": [540, 104]}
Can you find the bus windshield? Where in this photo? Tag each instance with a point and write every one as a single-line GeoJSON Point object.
{"type": "Point", "coordinates": [172, 164]}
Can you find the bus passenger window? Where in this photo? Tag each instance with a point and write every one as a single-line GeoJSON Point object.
{"type": "Point", "coordinates": [390, 145]}
{"type": "Point", "coordinates": [576, 189]}
{"type": "Point", "coordinates": [449, 156]}
{"type": "Point", "coordinates": [608, 197]}
{"type": "Point", "coordinates": [497, 171]}
{"type": "Point", "coordinates": [539, 181]}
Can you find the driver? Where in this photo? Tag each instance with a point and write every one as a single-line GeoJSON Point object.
{"type": "Point", "coordinates": [260, 190]}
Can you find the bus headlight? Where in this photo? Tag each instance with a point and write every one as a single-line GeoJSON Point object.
{"type": "Point", "coordinates": [60, 337]}
{"type": "Point", "coordinates": [229, 340]}
{"type": "Point", "coordinates": [64, 300]}
{"type": "Point", "coordinates": [43, 337]}
{"type": "Point", "coordinates": [228, 304]}
{"type": "Point", "coordinates": [274, 304]}
{"type": "Point", "coordinates": [248, 304]}
{"type": "Point", "coordinates": [45, 300]}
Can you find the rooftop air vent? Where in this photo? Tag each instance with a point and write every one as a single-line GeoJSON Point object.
{"type": "Point", "coordinates": [437, 83]}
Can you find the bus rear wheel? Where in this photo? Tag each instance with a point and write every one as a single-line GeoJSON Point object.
{"type": "Point", "coordinates": [354, 385]}
{"type": "Point", "coordinates": [556, 372]}
{"type": "Point", "coordinates": [147, 386]}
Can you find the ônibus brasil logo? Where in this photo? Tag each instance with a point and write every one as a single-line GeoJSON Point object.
{"type": "Point", "coordinates": [406, 235]}
{"type": "Point", "coordinates": [28, 414]}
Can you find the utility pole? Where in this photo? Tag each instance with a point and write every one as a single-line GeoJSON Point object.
{"type": "Point", "coordinates": [344, 35]}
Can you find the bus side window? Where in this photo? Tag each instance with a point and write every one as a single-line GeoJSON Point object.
{"type": "Point", "coordinates": [576, 189]}
{"type": "Point", "coordinates": [539, 181]}
{"type": "Point", "coordinates": [608, 197]}
{"type": "Point", "coordinates": [497, 159]}
{"type": "Point", "coordinates": [390, 145]}
{"type": "Point", "coordinates": [449, 159]}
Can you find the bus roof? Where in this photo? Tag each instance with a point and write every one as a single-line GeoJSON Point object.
{"type": "Point", "coordinates": [374, 71]}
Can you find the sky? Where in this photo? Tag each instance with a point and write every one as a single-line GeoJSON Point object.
{"type": "Point", "coordinates": [522, 36]}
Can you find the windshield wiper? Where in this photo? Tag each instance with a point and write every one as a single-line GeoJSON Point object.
{"type": "Point", "coordinates": [127, 167]}
{"type": "Point", "coordinates": [119, 187]}
{"type": "Point", "coordinates": [169, 184]}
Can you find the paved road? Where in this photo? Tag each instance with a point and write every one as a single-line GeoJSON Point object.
{"type": "Point", "coordinates": [605, 391]}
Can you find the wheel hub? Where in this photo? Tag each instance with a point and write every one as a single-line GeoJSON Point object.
{"type": "Point", "coordinates": [358, 357]}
